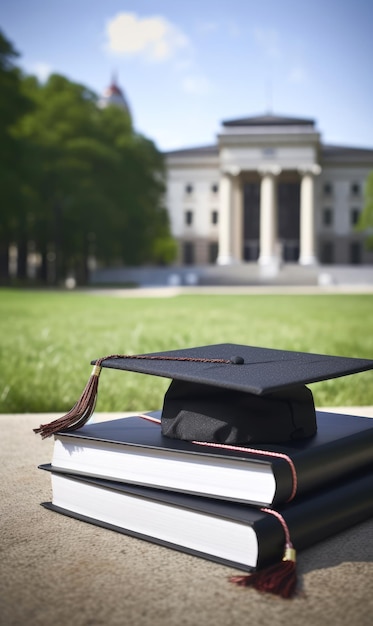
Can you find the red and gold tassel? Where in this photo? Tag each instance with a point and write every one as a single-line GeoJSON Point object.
{"type": "Point", "coordinates": [279, 579]}
{"type": "Point", "coordinates": [81, 411]}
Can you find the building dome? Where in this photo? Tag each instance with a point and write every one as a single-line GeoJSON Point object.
{"type": "Point", "coordinates": [114, 96]}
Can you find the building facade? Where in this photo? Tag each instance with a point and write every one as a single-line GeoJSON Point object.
{"type": "Point", "coordinates": [269, 191]}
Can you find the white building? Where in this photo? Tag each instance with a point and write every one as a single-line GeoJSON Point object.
{"type": "Point", "coordinates": [268, 191]}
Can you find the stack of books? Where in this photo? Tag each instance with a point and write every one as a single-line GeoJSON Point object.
{"type": "Point", "coordinates": [211, 502]}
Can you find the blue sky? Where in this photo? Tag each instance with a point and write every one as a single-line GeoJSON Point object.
{"type": "Point", "coordinates": [186, 66]}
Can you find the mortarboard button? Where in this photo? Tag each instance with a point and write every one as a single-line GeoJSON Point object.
{"type": "Point", "coordinates": [237, 360]}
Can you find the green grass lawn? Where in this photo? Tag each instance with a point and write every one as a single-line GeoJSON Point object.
{"type": "Point", "coordinates": [49, 338]}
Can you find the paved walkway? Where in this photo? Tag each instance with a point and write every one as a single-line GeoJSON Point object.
{"type": "Point", "coordinates": [170, 292]}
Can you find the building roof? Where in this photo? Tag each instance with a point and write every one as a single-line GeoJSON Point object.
{"type": "Point", "coordinates": [346, 154]}
{"type": "Point", "coordinates": [211, 150]}
{"type": "Point", "coordinates": [112, 90]}
{"type": "Point", "coordinates": [329, 153]}
{"type": "Point", "coordinates": [114, 96]}
{"type": "Point", "coordinates": [269, 120]}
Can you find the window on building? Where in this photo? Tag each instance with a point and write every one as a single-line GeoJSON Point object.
{"type": "Point", "coordinates": [213, 251]}
{"type": "Point", "coordinates": [268, 152]}
{"type": "Point", "coordinates": [327, 216]}
{"type": "Point", "coordinates": [188, 188]}
{"type": "Point", "coordinates": [214, 217]}
{"type": "Point", "coordinates": [215, 188]}
{"type": "Point", "coordinates": [354, 216]}
{"type": "Point", "coordinates": [188, 218]}
{"type": "Point", "coordinates": [355, 253]}
{"type": "Point", "coordinates": [327, 252]}
{"type": "Point", "coordinates": [188, 253]}
{"type": "Point", "coordinates": [328, 189]}
{"type": "Point", "coordinates": [355, 189]}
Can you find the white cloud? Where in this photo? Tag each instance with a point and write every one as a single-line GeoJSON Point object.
{"type": "Point", "coordinates": [154, 38]}
{"type": "Point", "coordinates": [41, 70]}
{"type": "Point", "coordinates": [268, 39]}
{"type": "Point", "coordinates": [196, 85]}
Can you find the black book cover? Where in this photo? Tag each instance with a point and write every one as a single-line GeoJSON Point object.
{"type": "Point", "coordinates": [342, 447]}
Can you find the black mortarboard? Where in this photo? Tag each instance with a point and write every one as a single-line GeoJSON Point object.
{"type": "Point", "coordinates": [226, 393]}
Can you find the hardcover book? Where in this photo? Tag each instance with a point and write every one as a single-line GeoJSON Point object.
{"type": "Point", "coordinates": [231, 533]}
{"type": "Point", "coordinates": [133, 450]}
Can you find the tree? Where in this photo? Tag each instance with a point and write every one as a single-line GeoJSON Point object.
{"type": "Point", "coordinates": [13, 105]}
{"type": "Point", "coordinates": [137, 188]}
{"type": "Point", "coordinates": [366, 216]}
{"type": "Point", "coordinates": [98, 184]}
{"type": "Point", "coordinates": [63, 115]}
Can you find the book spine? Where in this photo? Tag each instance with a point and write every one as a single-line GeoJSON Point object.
{"type": "Point", "coordinates": [285, 487]}
{"type": "Point", "coordinates": [333, 461]}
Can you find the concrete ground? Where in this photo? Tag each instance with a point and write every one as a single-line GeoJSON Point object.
{"type": "Point", "coordinates": [58, 571]}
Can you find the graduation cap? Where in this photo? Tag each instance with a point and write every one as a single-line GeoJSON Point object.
{"type": "Point", "coordinates": [225, 393]}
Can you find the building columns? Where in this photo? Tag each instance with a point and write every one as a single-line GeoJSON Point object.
{"type": "Point", "coordinates": [231, 219]}
{"type": "Point", "coordinates": [268, 250]}
{"type": "Point", "coordinates": [307, 254]}
{"type": "Point", "coordinates": [229, 251]}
